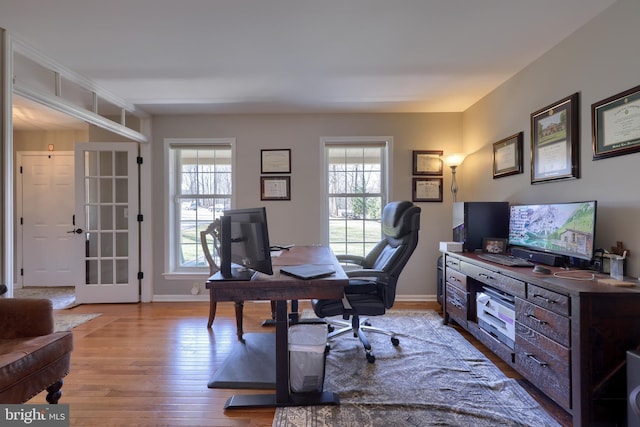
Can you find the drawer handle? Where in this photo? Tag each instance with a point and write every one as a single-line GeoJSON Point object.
{"type": "Point", "coordinates": [539, 362]}
{"type": "Point", "coordinates": [535, 319]}
{"type": "Point", "coordinates": [545, 299]}
{"type": "Point", "coordinates": [485, 276]}
{"type": "Point", "coordinates": [454, 279]}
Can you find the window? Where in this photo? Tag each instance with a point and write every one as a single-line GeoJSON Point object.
{"type": "Point", "coordinates": [356, 192]}
{"type": "Point", "coordinates": [200, 189]}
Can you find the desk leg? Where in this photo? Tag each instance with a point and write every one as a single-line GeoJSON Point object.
{"type": "Point", "coordinates": [282, 353]}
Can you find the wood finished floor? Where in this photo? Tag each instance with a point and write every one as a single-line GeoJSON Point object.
{"type": "Point", "coordinates": [149, 364]}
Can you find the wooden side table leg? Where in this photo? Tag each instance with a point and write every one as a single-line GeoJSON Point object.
{"type": "Point", "coordinates": [212, 308]}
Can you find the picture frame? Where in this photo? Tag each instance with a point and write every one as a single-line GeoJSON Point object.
{"type": "Point", "coordinates": [275, 188]}
{"type": "Point", "coordinates": [275, 161]}
{"type": "Point", "coordinates": [427, 162]}
{"type": "Point", "coordinates": [615, 124]}
{"type": "Point", "coordinates": [494, 245]}
{"type": "Point", "coordinates": [427, 189]}
{"type": "Point", "coordinates": [507, 156]}
{"type": "Point", "coordinates": [555, 141]}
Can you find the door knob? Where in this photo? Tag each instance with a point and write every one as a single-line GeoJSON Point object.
{"type": "Point", "coordinates": [77, 231]}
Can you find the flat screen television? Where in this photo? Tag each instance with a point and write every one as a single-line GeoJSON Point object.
{"type": "Point", "coordinates": [244, 244]}
{"type": "Point", "coordinates": [566, 229]}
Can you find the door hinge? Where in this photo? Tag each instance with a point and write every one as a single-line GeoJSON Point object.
{"type": "Point", "coordinates": [20, 169]}
{"type": "Point", "coordinates": [140, 217]}
{"type": "Point", "coordinates": [21, 221]}
{"type": "Point", "coordinates": [22, 271]}
{"type": "Point", "coordinates": [140, 275]}
{"type": "Point", "coordinates": [139, 160]}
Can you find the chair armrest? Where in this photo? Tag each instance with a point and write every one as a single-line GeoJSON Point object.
{"type": "Point", "coordinates": [351, 259]}
{"type": "Point", "coordinates": [25, 317]}
{"type": "Point", "coordinates": [365, 272]}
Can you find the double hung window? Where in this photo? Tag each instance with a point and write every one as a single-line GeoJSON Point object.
{"type": "Point", "coordinates": [356, 183]}
{"type": "Point", "coordinates": [201, 188]}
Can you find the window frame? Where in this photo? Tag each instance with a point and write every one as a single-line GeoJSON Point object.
{"type": "Point", "coordinates": [172, 218]}
{"type": "Point", "coordinates": [386, 142]}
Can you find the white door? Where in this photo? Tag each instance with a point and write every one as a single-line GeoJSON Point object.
{"type": "Point", "coordinates": [107, 207]}
{"type": "Point", "coordinates": [46, 211]}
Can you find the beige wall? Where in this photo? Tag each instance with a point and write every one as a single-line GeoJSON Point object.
{"type": "Point", "coordinates": [299, 221]}
{"type": "Point", "coordinates": [598, 61]}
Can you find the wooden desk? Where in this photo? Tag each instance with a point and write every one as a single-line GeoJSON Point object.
{"type": "Point", "coordinates": [281, 288]}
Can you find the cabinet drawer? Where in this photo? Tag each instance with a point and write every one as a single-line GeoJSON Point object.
{"type": "Point", "coordinates": [456, 304]}
{"type": "Point", "coordinates": [546, 322]}
{"type": "Point", "coordinates": [550, 300]}
{"type": "Point", "coordinates": [456, 278]}
{"type": "Point", "coordinates": [452, 262]}
{"type": "Point", "coordinates": [499, 281]}
{"type": "Point", "coordinates": [545, 363]}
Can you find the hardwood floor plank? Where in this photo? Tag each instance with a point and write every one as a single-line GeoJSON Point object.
{"type": "Point", "coordinates": [149, 365]}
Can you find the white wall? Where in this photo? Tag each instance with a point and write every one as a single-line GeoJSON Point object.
{"type": "Point", "coordinates": [599, 60]}
{"type": "Point", "coordinates": [298, 221]}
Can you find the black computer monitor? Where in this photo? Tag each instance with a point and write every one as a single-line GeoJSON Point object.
{"type": "Point", "coordinates": [244, 244]}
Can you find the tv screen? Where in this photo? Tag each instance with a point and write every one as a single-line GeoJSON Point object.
{"type": "Point", "coordinates": [560, 228]}
{"type": "Point", "coordinates": [244, 243]}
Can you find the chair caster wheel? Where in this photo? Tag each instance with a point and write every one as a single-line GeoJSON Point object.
{"type": "Point", "coordinates": [395, 341]}
{"type": "Point", "coordinates": [330, 328]}
{"type": "Point", "coordinates": [371, 358]}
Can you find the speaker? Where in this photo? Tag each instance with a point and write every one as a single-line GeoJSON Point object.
{"type": "Point", "coordinates": [633, 389]}
{"type": "Point", "coordinates": [539, 257]}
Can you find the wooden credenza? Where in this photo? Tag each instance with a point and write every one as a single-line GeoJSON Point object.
{"type": "Point", "coordinates": [571, 332]}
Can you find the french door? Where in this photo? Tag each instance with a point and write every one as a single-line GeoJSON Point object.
{"type": "Point", "coordinates": [106, 221]}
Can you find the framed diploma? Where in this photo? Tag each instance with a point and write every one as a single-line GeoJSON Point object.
{"type": "Point", "coordinates": [275, 161]}
{"type": "Point", "coordinates": [275, 188]}
{"type": "Point", "coordinates": [427, 162]}
{"type": "Point", "coordinates": [555, 141]}
{"type": "Point", "coordinates": [427, 189]}
{"type": "Point", "coordinates": [615, 124]}
{"type": "Point", "coordinates": [507, 156]}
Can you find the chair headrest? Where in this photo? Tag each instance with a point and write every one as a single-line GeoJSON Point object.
{"type": "Point", "coordinates": [394, 221]}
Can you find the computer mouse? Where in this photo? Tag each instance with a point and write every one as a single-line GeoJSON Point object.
{"type": "Point", "coordinates": [541, 270]}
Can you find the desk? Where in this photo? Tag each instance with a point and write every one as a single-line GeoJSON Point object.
{"type": "Point", "coordinates": [281, 288]}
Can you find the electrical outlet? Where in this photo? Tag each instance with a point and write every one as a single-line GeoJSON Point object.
{"type": "Point", "coordinates": [195, 290]}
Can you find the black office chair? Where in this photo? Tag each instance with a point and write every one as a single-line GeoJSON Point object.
{"type": "Point", "coordinates": [372, 287]}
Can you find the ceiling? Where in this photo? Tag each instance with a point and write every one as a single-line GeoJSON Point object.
{"type": "Point", "coordinates": [296, 56]}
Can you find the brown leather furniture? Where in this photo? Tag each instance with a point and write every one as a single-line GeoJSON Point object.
{"type": "Point", "coordinates": [32, 356]}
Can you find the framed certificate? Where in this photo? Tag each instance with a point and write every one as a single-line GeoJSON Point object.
{"type": "Point", "coordinates": [615, 124]}
{"type": "Point", "coordinates": [427, 189]}
{"type": "Point", "coordinates": [555, 141]}
{"type": "Point", "coordinates": [275, 188]}
{"type": "Point", "coordinates": [275, 161]}
{"type": "Point", "coordinates": [427, 162]}
{"type": "Point", "coordinates": [507, 156]}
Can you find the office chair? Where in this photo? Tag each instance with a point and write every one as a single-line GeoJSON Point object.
{"type": "Point", "coordinates": [372, 287]}
{"type": "Point", "coordinates": [213, 231]}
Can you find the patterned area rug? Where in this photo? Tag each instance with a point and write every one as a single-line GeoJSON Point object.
{"type": "Point", "coordinates": [62, 297]}
{"type": "Point", "coordinates": [433, 378]}
{"type": "Point", "coordinates": [68, 321]}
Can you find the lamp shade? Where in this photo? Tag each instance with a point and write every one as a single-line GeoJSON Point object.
{"type": "Point", "coordinates": [454, 160]}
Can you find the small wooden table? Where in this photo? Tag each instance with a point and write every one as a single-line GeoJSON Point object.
{"type": "Point", "coordinates": [281, 288]}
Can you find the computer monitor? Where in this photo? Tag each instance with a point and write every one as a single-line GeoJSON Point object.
{"type": "Point", "coordinates": [244, 244]}
{"type": "Point", "coordinates": [566, 229]}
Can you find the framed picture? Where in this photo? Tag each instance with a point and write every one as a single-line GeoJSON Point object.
{"type": "Point", "coordinates": [275, 161]}
{"type": "Point", "coordinates": [507, 156]}
{"type": "Point", "coordinates": [427, 189]}
{"type": "Point", "coordinates": [554, 141]}
{"type": "Point", "coordinates": [494, 245]}
{"type": "Point", "coordinates": [427, 162]}
{"type": "Point", "coordinates": [615, 124]}
{"type": "Point", "coordinates": [275, 188]}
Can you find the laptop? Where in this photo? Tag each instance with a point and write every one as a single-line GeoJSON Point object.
{"type": "Point", "coordinates": [307, 271]}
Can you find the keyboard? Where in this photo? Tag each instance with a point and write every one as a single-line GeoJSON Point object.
{"type": "Point", "coordinates": [507, 260]}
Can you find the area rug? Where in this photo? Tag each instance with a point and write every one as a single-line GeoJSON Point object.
{"type": "Point", "coordinates": [433, 378]}
{"type": "Point", "coordinates": [62, 297]}
{"type": "Point", "coordinates": [68, 321]}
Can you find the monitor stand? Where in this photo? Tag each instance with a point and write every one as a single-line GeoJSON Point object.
{"type": "Point", "coordinates": [237, 273]}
